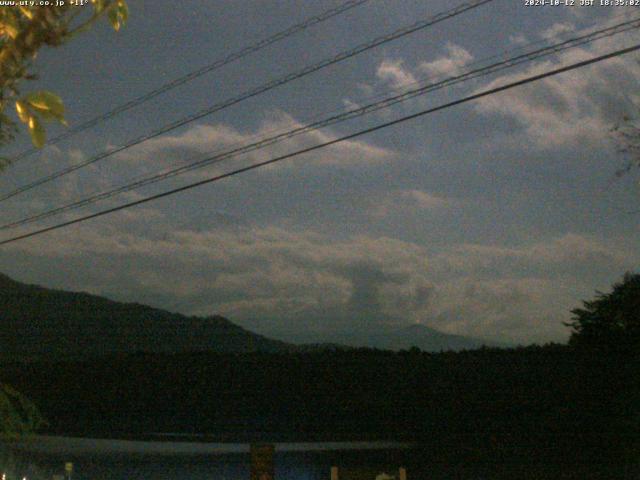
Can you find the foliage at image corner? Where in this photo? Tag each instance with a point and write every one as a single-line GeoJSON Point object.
{"type": "Point", "coordinates": [611, 321]}
{"type": "Point", "coordinates": [23, 31]}
{"type": "Point", "coordinates": [18, 414]}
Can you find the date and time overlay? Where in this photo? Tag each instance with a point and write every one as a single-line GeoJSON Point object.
{"type": "Point", "coordinates": [581, 3]}
{"type": "Point", "coordinates": [527, 3]}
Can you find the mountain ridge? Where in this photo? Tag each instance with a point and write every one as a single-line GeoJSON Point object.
{"type": "Point", "coordinates": [38, 322]}
{"type": "Point", "coordinates": [395, 338]}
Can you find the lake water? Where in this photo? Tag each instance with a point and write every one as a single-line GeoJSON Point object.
{"type": "Point", "coordinates": [96, 459]}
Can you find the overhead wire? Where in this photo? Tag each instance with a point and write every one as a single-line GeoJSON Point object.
{"type": "Point", "coordinates": [378, 41]}
{"type": "Point", "coordinates": [352, 113]}
{"type": "Point", "coordinates": [469, 98]}
{"type": "Point", "coordinates": [232, 57]}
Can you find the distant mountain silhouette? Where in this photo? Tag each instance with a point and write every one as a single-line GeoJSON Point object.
{"type": "Point", "coordinates": [398, 338]}
{"type": "Point", "coordinates": [37, 322]}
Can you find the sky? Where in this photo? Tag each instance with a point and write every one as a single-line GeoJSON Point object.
{"type": "Point", "coordinates": [491, 219]}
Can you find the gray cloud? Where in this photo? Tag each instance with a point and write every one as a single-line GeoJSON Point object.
{"type": "Point", "coordinates": [576, 108]}
{"type": "Point", "coordinates": [395, 74]}
{"type": "Point", "coordinates": [272, 279]}
{"type": "Point", "coordinates": [407, 202]}
{"type": "Point", "coordinates": [479, 220]}
{"type": "Point", "coordinates": [450, 64]}
{"type": "Point", "coordinates": [202, 141]}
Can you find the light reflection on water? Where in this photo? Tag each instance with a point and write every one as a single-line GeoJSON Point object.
{"type": "Point", "coordinates": [119, 459]}
{"type": "Point", "coordinates": [50, 445]}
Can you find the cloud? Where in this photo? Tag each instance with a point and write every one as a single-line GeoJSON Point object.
{"type": "Point", "coordinates": [450, 64]}
{"type": "Point", "coordinates": [406, 202]}
{"type": "Point", "coordinates": [272, 279]}
{"type": "Point", "coordinates": [576, 108]}
{"type": "Point", "coordinates": [399, 77]}
{"type": "Point", "coordinates": [563, 255]}
{"type": "Point", "coordinates": [423, 200]}
{"type": "Point", "coordinates": [350, 104]}
{"type": "Point", "coordinates": [394, 73]}
{"type": "Point", "coordinates": [521, 292]}
{"type": "Point", "coordinates": [557, 29]}
{"type": "Point", "coordinates": [519, 39]}
{"type": "Point", "coordinates": [173, 151]}
{"type": "Point", "coordinates": [515, 310]}
{"type": "Point", "coordinates": [302, 277]}
{"type": "Point", "coordinates": [203, 141]}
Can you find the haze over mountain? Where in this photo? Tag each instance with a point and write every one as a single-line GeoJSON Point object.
{"type": "Point", "coordinates": [38, 322]}
{"type": "Point", "coordinates": [395, 338]}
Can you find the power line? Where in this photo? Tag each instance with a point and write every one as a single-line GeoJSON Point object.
{"type": "Point", "coordinates": [360, 133]}
{"type": "Point", "coordinates": [255, 92]}
{"type": "Point", "coordinates": [353, 113]}
{"type": "Point", "coordinates": [311, 21]}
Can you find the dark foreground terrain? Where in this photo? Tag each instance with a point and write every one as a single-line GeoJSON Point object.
{"type": "Point", "coordinates": [537, 412]}
{"type": "Point", "coordinates": [552, 410]}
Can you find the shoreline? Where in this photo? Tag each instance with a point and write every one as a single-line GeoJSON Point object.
{"type": "Point", "coordinates": [78, 446]}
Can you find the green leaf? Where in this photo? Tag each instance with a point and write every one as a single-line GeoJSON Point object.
{"type": "Point", "coordinates": [48, 116]}
{"type": "Point", "coordinates": [10, 25]}
{"type": "Point", "coordinates": [38, 135]}
{"type": "Point", "coordinates": [124, 11]}
{"type": "Point", "coordinates": [114, 18]}
{"type": "Point", "coordinates": [47, 102]}
{"type": "Point", "coordinates": [98, 5]}
{"type": "Point", "coordinates": [23, 111]}
{"type": "Point", "coordinates": [118, 14]}
{"type": "Point", "coordinates": [26, 11]}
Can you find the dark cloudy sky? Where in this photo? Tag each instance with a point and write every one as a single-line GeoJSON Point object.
{"type": "Point", "coordinates": [492, 219]}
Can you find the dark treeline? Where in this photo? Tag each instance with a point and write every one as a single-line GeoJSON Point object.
{"type": "Point", "coordinates": [551, 405]}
